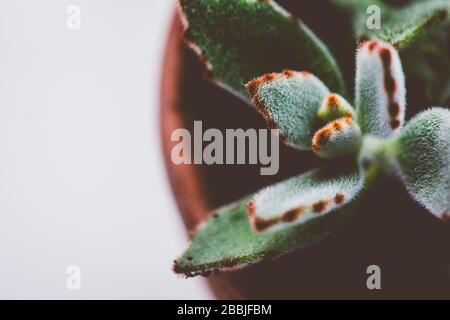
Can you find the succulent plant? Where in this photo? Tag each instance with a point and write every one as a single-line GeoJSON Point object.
{"type": "Point", "coordinates": [251, 48]}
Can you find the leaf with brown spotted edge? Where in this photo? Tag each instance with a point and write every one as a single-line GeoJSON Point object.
{"type": "Point", "coordinates": [338, 138]}
{"type": "Point", "coordinates": [399, 26]}
{"type": "Point", "coordinates": [227, 242]}
{"type": "Point", "coordinates": [380, 96]}
{"type": "Point", "coordinates": [334, 107]}
{"type": "Point", "coordinates": [303, 198]}
{"type": "Point", "coordinates": [371, 139]}
{"type": "Point", "coordinates": [289, 101]}
{"type": "Point", "coordinates": [239, 40]}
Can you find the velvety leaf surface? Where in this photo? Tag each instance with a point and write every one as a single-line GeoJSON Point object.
{"type": "Point", "coordinates": [303, 198]}
{"type": "Point", "coordinates": [423, 153]}
{"type": "Point", "coordinates": [289, 101]}
{"type": "Point", "coordinates": [380, 94]}
{"type": "Point", "coordinates": [399, 26]}
{"type": "Point", "coordinates": [243, 39]}
{"type": "Point", "coordinates": [339, 138]}
{"type": "Point", "coordinates": [334, 107]}
{"type": "Point", "coordinates": [227, 242]}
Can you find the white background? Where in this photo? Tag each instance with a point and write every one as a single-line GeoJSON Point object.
{"type": "Point", "coordinates": [81, 175]}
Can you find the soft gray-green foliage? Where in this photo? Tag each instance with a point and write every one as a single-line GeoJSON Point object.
{"type": "Point", "coordinates": [399, 26]}
{"type": "Point", "coordinates": [289, 101]}
{"type": "Point", "coordinates": [402, 26]}
{"type": "Point", "coordinates": [303, 209]}
{"type": "Point", "coordinates": [420, 29]}
{"type": "Point", "coordinates": [339, 138]}
{"type": "Point", "coordinates": [379, 89]}
{"type": "Point", "coordinates": [242, 39]}
{"type": "Point", "coordinates": [227, 242]}
{"type": "Point", "coordinates": [423, 153]}
{"type": "Point", "coordinates": [333, 107]}
{"type": "Point", "coordinates": [303, 198]}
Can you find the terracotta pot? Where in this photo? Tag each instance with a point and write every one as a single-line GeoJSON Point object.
{"type": "Point", "coordinates": [388, 229]}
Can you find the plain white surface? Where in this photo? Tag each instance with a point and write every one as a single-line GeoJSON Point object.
{"type": "Point", "coordinates": [81, 175]}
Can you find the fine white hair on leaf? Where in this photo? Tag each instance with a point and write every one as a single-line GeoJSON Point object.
{"type": "Point", "coordinates": [339, 138]}
{"type": "Point", "coordinates": [423, 154]}
{"type": "Point", "coordinates": [333, 107]}
{"type": "Point", "coordinates": [379, 89]}
{"type": "Point", "coordinates": [302, 198]}
{"type": "Point", "coordinates": [289, 101]}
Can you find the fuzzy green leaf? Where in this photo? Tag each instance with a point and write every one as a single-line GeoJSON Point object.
{"type": "Point", "coordinates": [380, 95]}
{"type": "Point", "coordinates": [289, 101]}
{"type": "Point", "coordinates": [303, 198]}
{"type": "Point", "coordinates": [241, 39]}
{"type": "Point", "coordinates": [339, 138]}
{"type": "Point", "coordinates": [334, 107]}
{"type": "Point", "coordinates": [399, 26]}
{"type": "Point", "coordinates": [227, 242]}
{"type": "Point", "coordinates": [423, 154]}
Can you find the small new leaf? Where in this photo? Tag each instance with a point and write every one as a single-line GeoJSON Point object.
{"type": "Point", "coordinates": [334, 107]}
{"type": "Point", "coordinates": [339, 138]}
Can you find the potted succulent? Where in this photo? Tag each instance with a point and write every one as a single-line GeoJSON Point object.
{"type": "Point", "coordinates": [280, 63]}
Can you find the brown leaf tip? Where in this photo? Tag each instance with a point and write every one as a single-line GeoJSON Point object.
{"type": "Point", "coordinates": [269, 77]}
{"type": "Point", "coordinates": [289, 73]}
{"type": "Point", "coordinates": [252, 85]}
{"type": "Point", "coordinates": [176, 267]}
{"type": "Point", "coordinates": [323, 136]}
{"type": "Point", "coordinates": [332, 101]}
{"type": "Point", "coordinates": [386, 56]}
{"type": "Point", "coordinates": [362, 39]}
{"type": "Point", "coordinates": [371, 45]}
{"type": "Point", "coordinates": [252, 88]}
